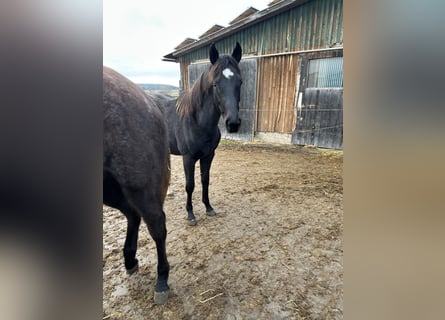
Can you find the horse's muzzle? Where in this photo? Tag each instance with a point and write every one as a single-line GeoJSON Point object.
{"type": "Point", "coordinates": [233, 126]}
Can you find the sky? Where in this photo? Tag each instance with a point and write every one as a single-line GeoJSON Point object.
{"type": "Point", "coordinates": [137, 34]}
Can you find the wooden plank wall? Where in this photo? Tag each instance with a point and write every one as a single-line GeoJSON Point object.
{"type": "Point", "coordinates": [313, 25]}
{"type": "Point", "coordinates": [320, 121]}
{"type": "Point", "coordinates": [276, 93]}
{"type": "Point", "coordinates": [184, 75]}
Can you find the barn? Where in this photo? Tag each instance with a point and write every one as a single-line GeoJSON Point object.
{"type": "Point", "coordinates": [292, 70]}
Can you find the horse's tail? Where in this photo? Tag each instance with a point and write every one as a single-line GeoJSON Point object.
{"type": "Point", "coordinates": [166, 176]}
{"type": "Point", "coordinates": [167, 168]}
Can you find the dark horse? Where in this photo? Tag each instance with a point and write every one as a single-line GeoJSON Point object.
{"type": "Point", "coordinates": [136, 167]}
{"type": "Point", "coordinates": [193, 120]}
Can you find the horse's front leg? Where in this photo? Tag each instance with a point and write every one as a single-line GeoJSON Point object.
{"type": "Point", "coordinates": [205, 164]}
{"type": "Point", "coordinates": [189, 169]}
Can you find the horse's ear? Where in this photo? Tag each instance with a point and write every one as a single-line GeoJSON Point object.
{"type": "Point", "coordinates": [237, 52]}
{"type": "Point", "coordinates": [213, 54]}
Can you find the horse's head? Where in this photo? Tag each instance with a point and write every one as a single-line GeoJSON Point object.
{"type": "Point", "coordinates": [226, 81]}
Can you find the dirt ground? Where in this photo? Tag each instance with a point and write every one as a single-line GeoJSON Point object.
{"type": "Point", "coordinates": [273, 251]}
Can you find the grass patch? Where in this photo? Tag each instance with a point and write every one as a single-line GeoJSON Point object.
{"type": "Point", "coordinates": [227, 142]}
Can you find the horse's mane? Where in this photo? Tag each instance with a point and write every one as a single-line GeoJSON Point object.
{"type": "Point", "coordinates": [191, 100]}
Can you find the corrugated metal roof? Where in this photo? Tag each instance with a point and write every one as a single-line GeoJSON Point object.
{"type": "Point", "coordinates": [315, 25]}
{"type": "Point", "coordinates": [186, 41]}
{"type": "Point", "coordinates": [274, 2]}
{"type": "Point", "coordinates": [236, 27]}
{"type": "Point", "coordinates": [244, 15]}
{"type": "Point", "coordinates": [212, 30]}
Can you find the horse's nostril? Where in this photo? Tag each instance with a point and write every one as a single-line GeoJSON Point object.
{"type": "Point", "coordinates": [232, 127]}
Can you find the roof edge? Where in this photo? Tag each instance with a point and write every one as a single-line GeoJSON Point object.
{"type": "Point", "coordinates": [231, 29]}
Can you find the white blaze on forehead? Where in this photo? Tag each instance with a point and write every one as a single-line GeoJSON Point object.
{"type": "Point", "coordinates": [227, 73]}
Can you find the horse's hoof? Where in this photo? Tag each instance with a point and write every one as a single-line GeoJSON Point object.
{"type": "Point", "coordinates": [211, 213]}
{"type": "Point", "coordinates": [192, 222]}
{"type": "Point", "coordinates": [161, 297]}
{"type": "Point", "coordinates": [134, 269]}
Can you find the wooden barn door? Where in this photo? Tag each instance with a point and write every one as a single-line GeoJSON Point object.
{"type": "Point", "coordinates": [320, 104]}
{"type": "Point", "coordinates": [276, 94]}
{"type": "Point", "coordinates": [248, 69]}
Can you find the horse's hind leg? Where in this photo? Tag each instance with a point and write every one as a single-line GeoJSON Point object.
{"type": "Point", "coordinates": [114, 197]}
{"type": "Point", "coordinates": [131, 241]}
{"type": "Point", "coordinates": [158, 231]}
{"type": "Point", "coordinates": [150, 208]}
{"type": "Point", "coordinates": [205, 164]}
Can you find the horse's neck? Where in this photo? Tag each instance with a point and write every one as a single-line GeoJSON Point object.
{"type": "Point", "coordinates": [209, 114]}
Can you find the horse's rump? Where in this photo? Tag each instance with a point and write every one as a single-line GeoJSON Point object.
{"type": "Point", "coordinates": [135, 134]}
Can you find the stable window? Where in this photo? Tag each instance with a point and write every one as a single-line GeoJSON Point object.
{"type": "Point", "coordinates": [325, 73]}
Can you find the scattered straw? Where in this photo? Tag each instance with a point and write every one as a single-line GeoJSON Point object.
{"type": "Point", "coordinates": [296, 308]}
{"type": "Point", "coordinates": [215, 296]}
{"type": "Point", "coordinates": [205, 292]}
